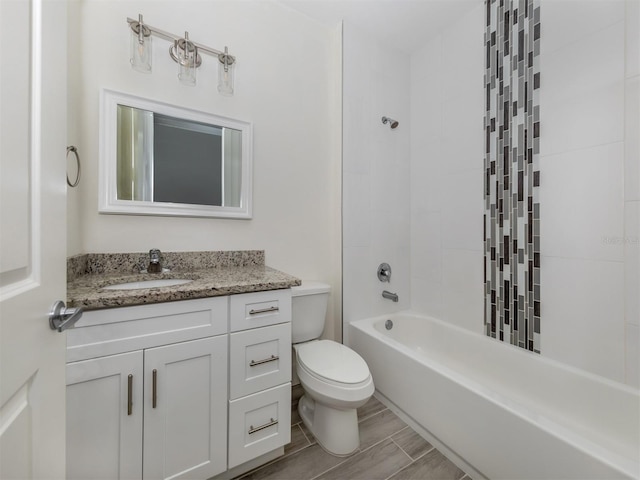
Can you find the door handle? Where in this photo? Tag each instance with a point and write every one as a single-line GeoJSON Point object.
{"type": "Point", "coordinates": [61, 317]}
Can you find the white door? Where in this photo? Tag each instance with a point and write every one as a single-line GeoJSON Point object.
{"type": "Point", "coordinates": [32, 236]}
{"type": "Point", "coordinates": [185, 410]}
{"type": "Point", "coordinates": [104, 418]}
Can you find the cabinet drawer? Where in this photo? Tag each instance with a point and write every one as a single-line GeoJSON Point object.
{"type": "Point", "coordinates": [260, 358]}
{"type": "Point", "coordinates": [259, 424]}
{"type": "Point", "coordinates": [117, 330]}
{"type": "Point", "coordinates": [259, 309]}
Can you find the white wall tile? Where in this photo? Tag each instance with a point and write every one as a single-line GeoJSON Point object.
{"type": "Point", "coordinates": [463, 53]}
{"type": "Point", "coordinates": [356, 223]}
{"type": "Point", "coordinates": [586, 121]}
{"type": "Point", "coordinates": [358, 285]}
{"type": "Point", "coordinates": [426, 296]}
{"type": "Point", "coordinates": [632, 138]}
{"type": "Point", "coordinates": [632, 32]}
{"type": "Point", "coordinates": [585, 67]}
{"type": "Point", "coordinates": [462, 210]}
{"type": "Point", "coordinates": [426, 116]}
{"type": "Point", "coordinates": [390, 182]}
{"type": "Point", "coordinates": [582, 314]}
{"type": "Point", "coordinates": [425, 65]}
{"type": "Point", "coordinates": [463, 130]}
{"type": "Point", "coordinates": [632, 356]}
{"type": "Point", "coordinates": [581, 203]}
{"type": "Point", "coordinates": [376, 171]}
{"type": "Point", "coordinates": [566, 21]}
{"type": "Point", "coordinates": [426, 249]}
{"type": "Point", "coordinates": [632, 263]}
{"type": "Point", "coordinates": [426, 174]}
{"type": "Point", "coordinates": [463, 288]}
{"type": "Point", "coordinates": [582, 91]}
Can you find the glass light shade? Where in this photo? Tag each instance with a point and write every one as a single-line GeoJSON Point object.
{"type": "Point", "coordinates": [187, 74]}
{"type": "Point", "coordinates": [186, 54]}
{"type": "Point", "coordinates": [225, 79]}
{"type": "Point", "coordinates": [140, 52]}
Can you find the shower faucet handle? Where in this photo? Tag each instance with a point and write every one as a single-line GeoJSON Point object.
{"type": "Point", "coordinates": [384, 272]}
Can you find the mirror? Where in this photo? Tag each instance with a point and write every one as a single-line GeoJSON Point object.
{"type": "Point", "coordinates": [160, 159]}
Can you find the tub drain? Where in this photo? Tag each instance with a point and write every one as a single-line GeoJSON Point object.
{"type": "Point", "coordinates": [388, 324]}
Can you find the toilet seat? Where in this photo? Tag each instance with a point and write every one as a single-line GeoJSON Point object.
{"type": "Point", "coordinates": [333, 363]}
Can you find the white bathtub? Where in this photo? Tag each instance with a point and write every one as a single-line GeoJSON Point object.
{"type": "Point", "coordinates": [504, 412]}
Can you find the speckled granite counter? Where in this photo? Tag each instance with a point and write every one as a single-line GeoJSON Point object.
{"type": "Point", "coordinates": [212, 274]}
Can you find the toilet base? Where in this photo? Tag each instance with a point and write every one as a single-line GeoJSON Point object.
{"type": "Point", "coordinates": [335, 430]}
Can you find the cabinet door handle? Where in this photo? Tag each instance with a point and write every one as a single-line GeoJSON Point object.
{"type": "Point", "coordinates": [129, 394]}
{"type": "Point", "coordinates": [262, 427]}
{"type": "Point", "coordinates": [272, 358]}
{"type": "Point", "coordinates": [154, 397]}
{"type": "Point", "coordinates": [263, 310]}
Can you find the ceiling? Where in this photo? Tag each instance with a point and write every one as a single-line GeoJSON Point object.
{"type": "Point", "coordinates": [404, 24]}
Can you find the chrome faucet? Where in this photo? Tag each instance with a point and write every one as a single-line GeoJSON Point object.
{"type": "Point", "coordinates": [154, 261]}
{"type": "Point", "coordinates": [390, 296]}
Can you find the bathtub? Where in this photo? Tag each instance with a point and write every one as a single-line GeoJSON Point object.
{"type": "Point", "coordinates": [498, 411]}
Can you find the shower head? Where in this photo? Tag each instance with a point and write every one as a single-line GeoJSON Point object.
{"type": "Point", "coordinates": [392, 123]}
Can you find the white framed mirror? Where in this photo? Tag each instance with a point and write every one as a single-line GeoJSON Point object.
{"type": "Point", "coordinates": [161, 159]}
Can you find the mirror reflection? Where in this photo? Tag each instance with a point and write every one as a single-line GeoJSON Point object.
{"type": "Point", "coordinates": [161, 158]}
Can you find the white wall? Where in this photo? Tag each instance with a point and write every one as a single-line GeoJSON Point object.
{"type": "Point", "coordinates": [375, 175]}
{"type": "Point", "coordinates": [447, 172]}
{"type": "Point", "coordinates": [585, 242]}
{"type": "Point", "coordinates": [632, 192]}
{"type": "Point", "coordinates": [582, 64]}
{"type": "Point", "coordinates": [287, 85]}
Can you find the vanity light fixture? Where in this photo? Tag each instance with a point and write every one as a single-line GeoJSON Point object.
{"type": "Point", "coordinates": [140, 46]}
{"type": "Point", "coordinates": [183, 51]}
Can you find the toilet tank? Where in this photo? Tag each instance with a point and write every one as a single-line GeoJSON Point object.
{"type": "Point", "coordinates": [308, 310]}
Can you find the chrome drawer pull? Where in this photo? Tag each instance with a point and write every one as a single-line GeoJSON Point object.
{"type": "Point", "coordinates": [262, 427]}
{"type": "Point", "coordinates": [272, 358]}
{"type": "Point", "coordinates": [154, 394]}
{"type": "Point", "coordinates": [263, 310]}
{"type": "Point", "coordinates": [129, 394]}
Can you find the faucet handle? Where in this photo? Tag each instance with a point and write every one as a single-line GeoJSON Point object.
{"type": "Point", "coordinates": [384, 272]}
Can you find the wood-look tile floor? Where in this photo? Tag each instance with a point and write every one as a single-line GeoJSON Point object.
{"type": "Point", "coordinates": [389, 449]}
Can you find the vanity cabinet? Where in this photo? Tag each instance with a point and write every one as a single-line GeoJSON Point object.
{"type": "Point", "coordinates": [260, 374]}
{"type": "Point", "coordinates": [155, 412]}
{"type": "Point", "coordinates": [187, 389]}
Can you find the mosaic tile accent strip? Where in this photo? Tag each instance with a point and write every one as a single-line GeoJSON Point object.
{"type": "Point", "coordinates": [512, 173]}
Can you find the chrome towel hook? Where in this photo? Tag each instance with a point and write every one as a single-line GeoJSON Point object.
{"type": "Point", "coordinates": [72, 148]}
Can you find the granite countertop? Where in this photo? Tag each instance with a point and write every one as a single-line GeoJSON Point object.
{"type": "Point", "coordinates": [212, 274]}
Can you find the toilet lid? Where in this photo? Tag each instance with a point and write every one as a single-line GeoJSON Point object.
{"type": "Point", "coordinates": [333, 361]}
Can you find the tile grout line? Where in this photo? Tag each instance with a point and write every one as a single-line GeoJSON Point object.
{"type": "Point", "coordinates": [411, 460]}
{"type": "Point", "coordinates": [335, 466]}
{"type": "Point", "coordinates": [305, 435]}
{"type": "Point", "coordinates": [428, 451]}
{"type": "Point", "coordinates": [402, 449]}
{"type": "Point", "coordinates": [360, 420]}
{"type": "Point", "coordinates": [369, 448]}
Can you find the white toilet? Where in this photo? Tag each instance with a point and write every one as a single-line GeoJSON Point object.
{"type": "Point", "coordinates": [335, 379]}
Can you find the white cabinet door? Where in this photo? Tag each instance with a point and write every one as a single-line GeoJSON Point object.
{"type": "Point", "coordinates": [185, 411]}
{"type": "Point", "coordinates": [104, 417]}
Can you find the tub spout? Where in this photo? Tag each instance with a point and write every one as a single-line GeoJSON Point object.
{"type": "Point", "coordinates": [390, 296]}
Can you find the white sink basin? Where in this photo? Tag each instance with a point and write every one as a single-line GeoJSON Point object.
{"type": "Point", "coordinates": [165, 282]}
